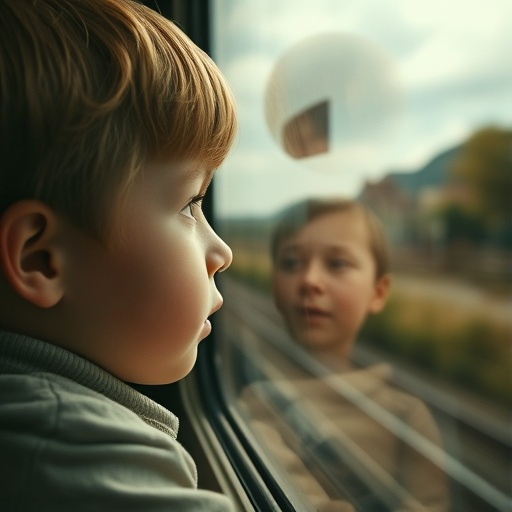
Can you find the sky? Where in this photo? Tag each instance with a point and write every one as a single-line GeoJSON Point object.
{"type": "Point", "coordinates": [421, 76]}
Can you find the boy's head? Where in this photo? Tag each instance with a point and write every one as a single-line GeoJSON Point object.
{"type": "Point", "coordinates": [89, 92]}
{"type": "Point", "coordinates": [111, 124]}
{"type": "Point", "coordinates": [330, 270]}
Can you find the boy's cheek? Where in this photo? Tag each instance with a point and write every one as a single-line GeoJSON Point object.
{"type": "Point", "coordinates": [281, 296]}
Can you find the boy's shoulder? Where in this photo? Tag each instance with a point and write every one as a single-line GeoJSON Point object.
{"type": "Point", "coordinates": [50, 403]}
{"type": "Point", "coordinates": [72, 448]}
{"type": "Point", "coordinates": [44, 411]}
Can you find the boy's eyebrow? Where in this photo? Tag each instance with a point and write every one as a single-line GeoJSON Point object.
{"type": "Point", "coordinates": [338, 247]}
{"type": "Point", "coordinates": [289, 246]}
{"type": "Point", "coordinates": [197, 173]}
{"type": "Point", "coordinates": [331, 247]}
{"type": "Point", "coordinates": [192, 174]}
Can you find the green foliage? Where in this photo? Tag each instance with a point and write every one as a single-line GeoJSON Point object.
{"type": "Point", "coordinates": [474, 354]}
{"type": "Point", "coordinates": [251, 266]}
{"type": "Point", "coordinates": [459, 224]}
{"type": "Point", "coordinates": [253, 276]}
{"type": "Point", "coordinates": [485, 164]}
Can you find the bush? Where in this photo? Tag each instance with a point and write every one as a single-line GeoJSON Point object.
{"type": "Point", "coordinates": [468, 350]}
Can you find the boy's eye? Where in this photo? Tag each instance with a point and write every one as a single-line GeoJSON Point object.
{"type": "Point", "coordinates": [289, 263]}
{"type": "Point", "coordinates": [192, 206]}
{"type": "Point", "coordinates": [187, 211]}
{"type": "Point", "coordinates": [337, 263]}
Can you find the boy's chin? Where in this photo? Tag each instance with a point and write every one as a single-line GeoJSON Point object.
{"type": "Point", "coordinates": [321, 344]}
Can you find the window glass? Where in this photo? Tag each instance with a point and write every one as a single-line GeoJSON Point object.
{"type": "Point", "coordinates": [365, 340]}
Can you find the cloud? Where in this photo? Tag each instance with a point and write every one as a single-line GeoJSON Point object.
{"type": "Point", "coordinates": [452, 58]}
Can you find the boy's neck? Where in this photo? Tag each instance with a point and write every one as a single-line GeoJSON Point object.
{"type": "Point", "coordinates": [333, 359]}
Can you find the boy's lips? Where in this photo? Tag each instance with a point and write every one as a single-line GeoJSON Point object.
{"type": "Point", "coordinates": [311, 317]}
{"type": "Point", "coordinates": [207, 329]}
{"type": "Point", "coordinates": [207, 326]}
{"type": "Point", "coordinates": [312, 312]}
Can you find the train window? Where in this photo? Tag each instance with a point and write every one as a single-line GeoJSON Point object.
{"type": "Point", "coordinates": [364, 343]}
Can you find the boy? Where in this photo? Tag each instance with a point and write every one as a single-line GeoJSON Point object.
{"type": "Point", "coordinates": [112, 122]}
{"type": "Point", "coordinates": [330, 270]}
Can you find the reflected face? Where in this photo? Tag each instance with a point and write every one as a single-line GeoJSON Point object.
{"type": "Point", "coordinates": [324, 281]}
{"type": "Point", "coordinates": [149, 295]}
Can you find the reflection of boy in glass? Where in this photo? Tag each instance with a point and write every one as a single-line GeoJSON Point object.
{"type": "Point", "coordinates": [330, 272]}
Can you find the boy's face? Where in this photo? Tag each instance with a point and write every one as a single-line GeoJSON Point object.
{"type": "Point", "coordinates": [142, 305]}
{"type": "Point", "coordinates": [324, 281]}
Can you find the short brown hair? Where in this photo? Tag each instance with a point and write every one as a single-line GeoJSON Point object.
{"type": "Point", "coordinates": [90, 90]}
{"type": "Point", "coordinates": [295, 217]}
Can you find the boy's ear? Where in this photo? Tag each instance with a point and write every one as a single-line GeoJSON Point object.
{"type": "Point", "coordinates": [382, 287]}
{"type": "Point", "coordinates": [29, 255]}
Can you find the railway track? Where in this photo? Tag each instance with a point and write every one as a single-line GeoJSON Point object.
{"type": "Point", "coordinates": [477, 439]}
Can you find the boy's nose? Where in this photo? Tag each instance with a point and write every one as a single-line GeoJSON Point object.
{"type": "Point", "coordinates": [219, 256]}
{"type": "Point", "coordinates": [312, 279]}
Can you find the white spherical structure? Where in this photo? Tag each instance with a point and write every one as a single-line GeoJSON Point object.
{"type": "Point", "coordinates": [344, 82]}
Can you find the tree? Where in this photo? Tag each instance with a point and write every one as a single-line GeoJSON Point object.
{"type": "Point", "coordinates": [484, 164]}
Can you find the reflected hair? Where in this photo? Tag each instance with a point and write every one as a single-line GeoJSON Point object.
{"type": "Point", "coordinates": [298, 215]}
{"type": "Point", "coordinates": [90, 91]}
